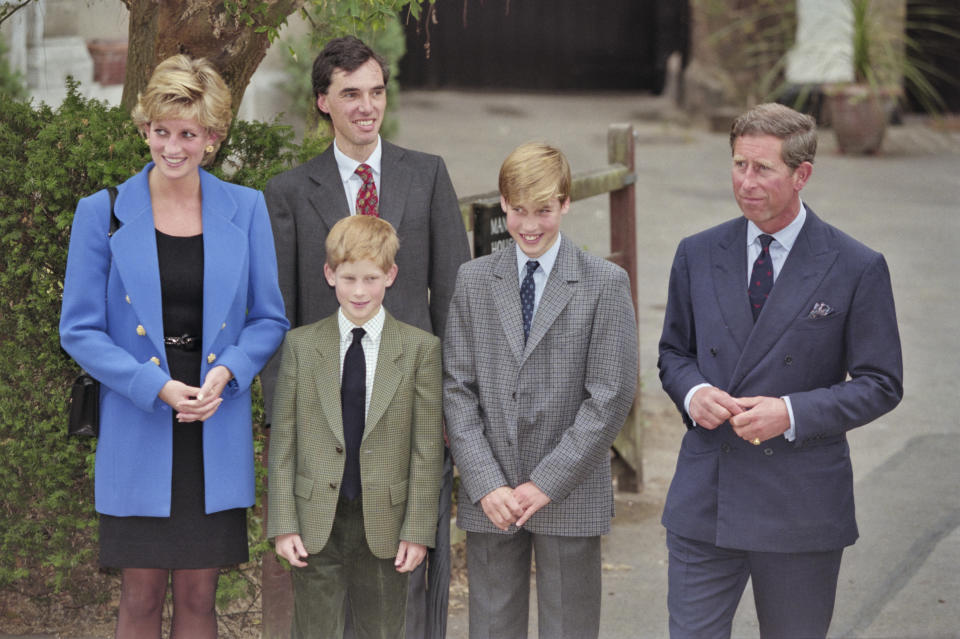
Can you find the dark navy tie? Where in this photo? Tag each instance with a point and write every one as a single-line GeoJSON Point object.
{"type": "Point", "coordinates": [528, 293]}
{"type": "Point", "coordinates": [761, 278]}
{"type": "Point", "coordinates": [353, 394]}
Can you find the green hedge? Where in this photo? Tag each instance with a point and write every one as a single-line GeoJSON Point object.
{"type": "Point", "coordinates": [50, 157]}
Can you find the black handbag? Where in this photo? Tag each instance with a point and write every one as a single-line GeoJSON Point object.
{"type": "Point", "coordinates": [84, 406]}
{"type": "Point", "coordinates": [84, 419]}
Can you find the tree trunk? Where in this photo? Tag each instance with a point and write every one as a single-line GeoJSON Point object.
{"type": "Point", "coordinates": [200, 28]}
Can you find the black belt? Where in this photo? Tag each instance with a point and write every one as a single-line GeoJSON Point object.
{"type": "Point", "coordinates": [183, 342]}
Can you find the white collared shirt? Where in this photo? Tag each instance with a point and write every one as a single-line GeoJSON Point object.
{"type": "Point", "coordinates": [542, 274]}
{"type": "Point", "coordinates": [348, 167]}
{"type": "Point", "coordinates": [370, 344]}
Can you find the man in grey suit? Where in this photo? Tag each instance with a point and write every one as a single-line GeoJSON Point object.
{"type": "Point", "coordinates": [780, 336]}
{"type": "Point", "coordinates": [540, 370]}
{"type": "Point", "coordinates": [360, 173]}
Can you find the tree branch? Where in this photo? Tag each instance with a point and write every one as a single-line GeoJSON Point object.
{"type": "Point", "coordinates": [6, 10]}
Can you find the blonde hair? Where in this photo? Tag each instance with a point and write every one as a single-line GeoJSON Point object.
{"type": "Point", "coordinates": [185, 88]}
{"type": "Point", "coordinates": [362, 237]}
{"type": "Point", "coordinates": [535, 172]}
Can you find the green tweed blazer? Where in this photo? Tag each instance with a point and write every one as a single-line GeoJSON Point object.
{"type": "Point", "coordinates": [401, 453]}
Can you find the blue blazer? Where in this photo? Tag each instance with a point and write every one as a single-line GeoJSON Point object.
{"type": "Point", "coordinates": [780, 496]}
{"type": "Point", "coordinates": [111, 324]}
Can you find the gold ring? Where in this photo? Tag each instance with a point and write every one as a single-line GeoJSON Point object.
{"type": "Point", "coordinates": [755, 441]}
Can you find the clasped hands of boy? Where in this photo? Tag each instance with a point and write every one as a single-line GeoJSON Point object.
{"type": "Point", "coordinates": [504, 506]}
{"type": "Point", "coordinates": [291, 548]}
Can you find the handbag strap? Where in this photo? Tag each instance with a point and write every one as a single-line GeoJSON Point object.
{"type": "Point", "coordinates": [114, 222]}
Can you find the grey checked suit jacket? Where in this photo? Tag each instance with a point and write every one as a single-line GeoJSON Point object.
{"type": "Point", "coordinates": [546, 411]}
{"type": "Point", "coordinates": [841, 369]}
{"type": "Point", "coordinates": [400, 453]}
{"type": "Point", "coordinates": [416, 196]}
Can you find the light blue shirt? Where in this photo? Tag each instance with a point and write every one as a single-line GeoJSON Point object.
{"type": "Point", "coordinates": [540, 276]}
{"type": "Point", "coordinates": [348, 172]}
{"type": "Point", "coordinates": [783, 241]}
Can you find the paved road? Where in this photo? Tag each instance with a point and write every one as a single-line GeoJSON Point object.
{"type": "Point", "coordinates": [902, 578]}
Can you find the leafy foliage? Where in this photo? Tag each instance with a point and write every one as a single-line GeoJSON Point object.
{"type": "Point", "coordinates": [11, 82]}
{"type": "Point", "coordinates": [340, 17]}
{"type": "Point", "coordinates": [49, 157]}
{"type": "Point", "coordinates": [883, 53]}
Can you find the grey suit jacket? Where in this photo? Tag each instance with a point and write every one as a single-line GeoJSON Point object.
{"type": "Point", "coordinates": [401, 450]}
{"type": "Point", "coordinates": [841, 368]}
{"type": "Point", "coordinates": [546, 411]}
{"type": "Point", "coordinates": [416, 196]}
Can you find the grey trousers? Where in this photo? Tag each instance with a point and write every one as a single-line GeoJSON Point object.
{"type": "Point", "coordinates": [568, 585]}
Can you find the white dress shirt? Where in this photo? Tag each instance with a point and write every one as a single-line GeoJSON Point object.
{"type": "Point", "coordinates": [351, 181]}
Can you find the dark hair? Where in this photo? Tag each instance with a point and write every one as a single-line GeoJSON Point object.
{"type": "Point", "coordinates": [797, 130]}
{"type": "Point", "coordinates": [347, 54]}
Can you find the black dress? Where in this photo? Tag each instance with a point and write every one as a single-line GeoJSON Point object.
{"type": "Point", "coordinates": [189, 538]}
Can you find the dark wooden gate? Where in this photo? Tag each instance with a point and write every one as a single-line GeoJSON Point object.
{"type": "Point", "coordinates": [546, 44]}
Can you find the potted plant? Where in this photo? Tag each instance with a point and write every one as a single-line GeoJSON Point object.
{"type": "Point", "coordinates": [886, 53]}
{"type": "Point", "coordinates": [852, 73]}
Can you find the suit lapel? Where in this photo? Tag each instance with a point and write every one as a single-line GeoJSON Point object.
{"type": "Point", "coordinates": [327, 340]}
{"type": "Point", "coordinates": [506, 298]}
{"type": "Point", "coordinates": [225, 250]}
{"type": "Point", "coordinates": [807, 264]}
{"type": "Point", "coordinates": [328, 199]}
{"type": "Point", "coordinates": [134, 250]}
{"type": "Point", "coordinates": [387, 378]}
{"type": "Point", "coordinates": [556, 294]}
{"type": "Point", "coordinates": [395, 180]}
{"type": "Point", "coordinates": [730, 282]}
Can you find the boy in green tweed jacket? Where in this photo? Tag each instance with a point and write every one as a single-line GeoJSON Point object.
{"type": "Point", "coordinates": [356, 446]}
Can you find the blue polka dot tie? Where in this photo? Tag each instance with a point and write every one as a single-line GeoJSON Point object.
{"type": "Point", "coordinates": [528, 293]}
{"type": "Point", "coordinates": [761, 278]}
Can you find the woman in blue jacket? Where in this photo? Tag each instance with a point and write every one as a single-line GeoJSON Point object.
{"type": "Point", "coordinates": [175, 314]}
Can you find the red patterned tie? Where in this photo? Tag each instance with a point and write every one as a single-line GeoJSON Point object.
{"type": "Point", "coordinates": [367, 200]}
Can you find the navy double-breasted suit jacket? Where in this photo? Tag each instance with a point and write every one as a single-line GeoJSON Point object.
{"type": "Point", "coordinates": [111, 323]}
{"type": "Point", "coordinates": [841, 370]}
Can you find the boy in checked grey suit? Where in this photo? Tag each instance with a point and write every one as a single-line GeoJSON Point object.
{"type": "Point", "coordinates": [540, 370]}
{"type": "Point", "coordinates": [357, 446]}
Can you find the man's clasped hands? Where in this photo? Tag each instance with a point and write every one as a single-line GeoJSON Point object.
{"type": "Point", "coordinates": [504, 506]}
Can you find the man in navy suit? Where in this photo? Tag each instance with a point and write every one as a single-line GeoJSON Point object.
{"type": "Point", "coordinates": [780, 335]}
